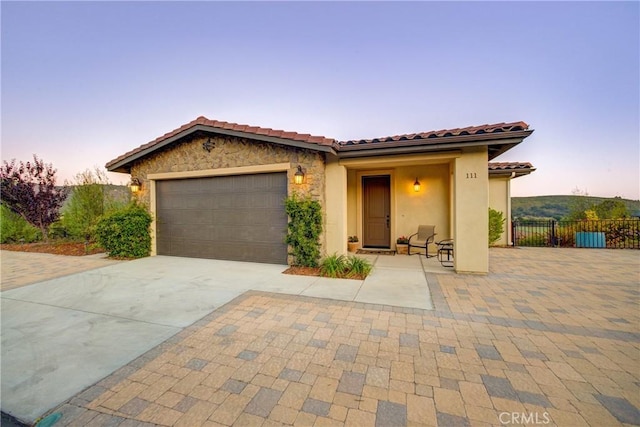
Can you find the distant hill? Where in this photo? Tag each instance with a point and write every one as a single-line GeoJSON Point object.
{"type": "Point", "coordinates": [557, 207]}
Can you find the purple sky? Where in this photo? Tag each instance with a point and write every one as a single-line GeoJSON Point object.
{"type": "Point", "coordinates": [82, 83]}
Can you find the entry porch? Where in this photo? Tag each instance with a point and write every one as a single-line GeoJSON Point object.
{"type": "Point", "coordinates": [381, 199]}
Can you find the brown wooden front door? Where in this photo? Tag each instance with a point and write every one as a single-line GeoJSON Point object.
{"type": "Point", "coordinates": [376, 203]}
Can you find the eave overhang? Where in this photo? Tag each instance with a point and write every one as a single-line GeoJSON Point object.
{"type": "Point", "coordinates": [124, 165]}
{"type": "Point", "coordinates": [496, 143]}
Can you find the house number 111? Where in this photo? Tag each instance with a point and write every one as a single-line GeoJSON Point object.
{"type": "Point", "coordinates": [471, 175]}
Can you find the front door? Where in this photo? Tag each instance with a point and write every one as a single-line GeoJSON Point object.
{"type": "Point", "coordinates": [376, 216]}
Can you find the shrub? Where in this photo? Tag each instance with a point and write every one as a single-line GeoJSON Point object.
{"type": "Point", "coordinates": [125, 232]}
{"type": "Point", "coordinates": [333, 266]}
{"type": "Point", "coordinates": [14, 228]}
{"type": "Point", "coordinates": [496, 225]}
{"type": "Point", "coordinates": [339, 266]}
{"type": "Point", "coordinates": [90, 199]}
{"type": "Point", "coordinates": [304, 228]}
{"type": "Point", "coordinates": [533, 240]}
{"type": "Point", "coordinates": [358, 267]}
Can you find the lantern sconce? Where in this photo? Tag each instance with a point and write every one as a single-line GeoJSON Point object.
{"type": "Point", "coordinates": [416, 185]}
{"type": "Point", "coordinates": [298, 177]}
{"type": "Point", "coordinates": [135, 185]}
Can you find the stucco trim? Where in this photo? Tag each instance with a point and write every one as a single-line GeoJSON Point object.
{"type": "Point", "coordinates": [240, 170]}
{"type": "Point", "coordinates": [395, 161]}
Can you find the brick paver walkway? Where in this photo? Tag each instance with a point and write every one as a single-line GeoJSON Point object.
{"type": "Point", "coordinates": [19, 269]}
{"type": "Point", "coordinates": [550, 337]}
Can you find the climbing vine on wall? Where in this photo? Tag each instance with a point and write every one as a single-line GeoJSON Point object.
{"type": "Point", "coordinates": [304, 229]}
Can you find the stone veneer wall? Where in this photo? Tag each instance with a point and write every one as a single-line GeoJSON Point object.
{"type": "Point", "coordinates": [231, 152]}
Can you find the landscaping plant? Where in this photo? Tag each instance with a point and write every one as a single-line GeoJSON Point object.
{"type": "Point", "coordinates": [340, 266]}
{"type": "Point", "coordinates": [358, 267]}
{"type": "Point", "coordinates": [15, 229]}
{"type": "Point", "coordinates": [29, 190]}
{"type": "Point", "coordinates": [333, 266]}
{"type": "Point", "coordinates": [303, 230]}
{"type": "Point", "coordinates": [496, 225]}
{"type": "Point", "coordinates": [89, 200]}
{"type": "Point", "coordinates": [125, 233]}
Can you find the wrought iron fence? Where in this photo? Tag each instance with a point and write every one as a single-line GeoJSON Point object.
{"type": "Point", "coordinates": [606, 233]}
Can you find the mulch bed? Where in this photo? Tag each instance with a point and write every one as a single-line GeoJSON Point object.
{"type": "Point", "coordinates": [314, 271]}
{"type": "Point", "coordinates": [303, 271]}
{"type": "Point", "coordinates": [57, 248]}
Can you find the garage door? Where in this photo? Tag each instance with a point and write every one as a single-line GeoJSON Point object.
{"type": "Point", "coordinates": [238, 218]}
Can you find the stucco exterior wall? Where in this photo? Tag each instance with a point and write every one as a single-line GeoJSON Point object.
{"type": "Point", "coordinates": [336, 208]}
{"type": "Point", "coordinates": [187, 157]}
{"type": "Point", "coordinates": [471, 212]}
{"type": "Point", "coordinates": [428, 206]}
{"type": "Point", "coordinates": [352, 203]}
{"type": "Point", "coordinates": [500, 200]}
{"type": "Point", "coordinates": [409, 208]}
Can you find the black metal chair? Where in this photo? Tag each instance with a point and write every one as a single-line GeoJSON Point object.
{"type": "Point", "coordinates": [445, 249]}
{"type": "Point", "coordinates": [426, 234]}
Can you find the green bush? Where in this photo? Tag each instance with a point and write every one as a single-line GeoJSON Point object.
{"type": "Point", "coordinates": [14, 228]}
{"type": "Point", "coordinates": [358, 267]}
{"type": "Point", "coordinates": [125, 232]}
{"type": "Point", "coordinates": [339, 266]}
{"type": "Point", "coordinates": [533, 240]}
{"type": "Point", "coordinates": [496, 225]}
{"type": "Point", "coordinates": [90, 198]}
{"type": "Point", "coordinates": [333, 266]}
{"type": "Point", "coordinates": [304, 228]}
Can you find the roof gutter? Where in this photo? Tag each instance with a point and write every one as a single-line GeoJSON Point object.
{"type": "Point", "coordinates": [481, 139]}
{"type": "Point", "coordinates": [375, 149]}
{"type": "Point", "coordinates": [511, 173]}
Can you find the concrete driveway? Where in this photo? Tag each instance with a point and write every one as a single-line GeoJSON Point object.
{"type": "Point", "coordinates": [62, 335]}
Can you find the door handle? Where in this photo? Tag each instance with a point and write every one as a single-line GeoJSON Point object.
{"type": "Point", "coordinates": [387, 221]}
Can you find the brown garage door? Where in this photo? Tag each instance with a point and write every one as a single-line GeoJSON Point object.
{"type": "Point", "coordinates": [238, 218]}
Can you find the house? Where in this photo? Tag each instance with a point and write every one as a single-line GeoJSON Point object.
{"type": "Point", "coordinates": [216, 189]}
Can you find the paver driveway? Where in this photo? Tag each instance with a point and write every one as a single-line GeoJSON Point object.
{"type": "Point", "coordinates": [551, 336]}
{"type": "Point", "coordinates": [62, 335]}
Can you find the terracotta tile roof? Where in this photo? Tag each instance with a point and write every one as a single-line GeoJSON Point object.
{"type": "Point", "coordinates": [470, 130]}
{"type": "Point", "coordinates": [329, 143]}
{"type": "Point", "coordinates": [509, 166]}
{"type": "Point", "coordinates": [294, 136]}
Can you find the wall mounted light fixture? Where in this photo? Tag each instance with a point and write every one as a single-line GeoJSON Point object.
{"type": "Point", "coordinates": [416, 185]}
{"type": "Point", "coordinates": [135, 185]}
{"type": "Point", "coordinates": [298, 177]}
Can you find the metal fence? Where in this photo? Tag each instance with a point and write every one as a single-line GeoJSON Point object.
{"type": "Point", "coordinates": [606, 233]}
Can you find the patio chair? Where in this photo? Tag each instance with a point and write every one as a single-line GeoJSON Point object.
{"type": "Point", "coordinates": [445, 252]}
{"type": "Point", "coordinates": [425, 235]}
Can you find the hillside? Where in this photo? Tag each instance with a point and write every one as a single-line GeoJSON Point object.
{"type": "Point", "coordinates": [557, 207]}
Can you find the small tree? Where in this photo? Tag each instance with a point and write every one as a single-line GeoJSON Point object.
{"type": "Point", "coordinates": [612, 209]}
{"type": "Point", "coordinates": [89, 200]}
{"type": "Point", "coordinates": [496, 225]}
{"type": "Point", "coordinates": [29, 189]}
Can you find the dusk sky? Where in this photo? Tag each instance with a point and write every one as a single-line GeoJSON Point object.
{"type": "Point", "coordinates": [84, 82]}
